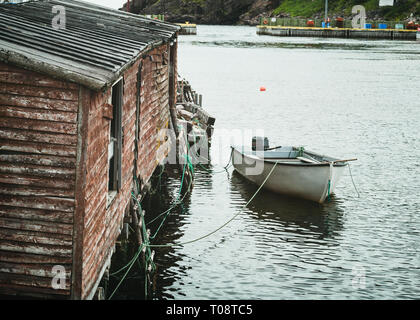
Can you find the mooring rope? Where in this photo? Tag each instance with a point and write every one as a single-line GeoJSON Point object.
{"type": "Point", "coordinates": [329, 181]}
{"type": "Point", "coordinates": [197, 156]}
{"type": "Point", "coordinates": [226, 167]}
{"type": "Point", "coordinates": [354, 185]}
{"type": "Point", "coordinates": [176, 201]}
{"type": "Point", "coordinates": [223, 225]}
{"type": "Point", "coordinates": [130, 264]}
{"type": "Point", "coordinates": [146, 244]}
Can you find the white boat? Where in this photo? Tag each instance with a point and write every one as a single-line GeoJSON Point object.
{"type": "Point", "coordinates": [298, 172]}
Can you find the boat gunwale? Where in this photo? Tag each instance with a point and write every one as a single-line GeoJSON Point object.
{"type": "Point", "coordinates": [300, 164]}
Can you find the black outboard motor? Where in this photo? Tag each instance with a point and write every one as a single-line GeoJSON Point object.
{"type": "Point", "coordinates": [260, 143]}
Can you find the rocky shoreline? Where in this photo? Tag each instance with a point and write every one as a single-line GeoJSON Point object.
{"type": "Point", "coordinates": [227, 12]}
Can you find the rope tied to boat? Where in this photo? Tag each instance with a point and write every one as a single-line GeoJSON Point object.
{"type": "Point", "coordinates": [330, 177]}
{"type": "Point", "coordinates": [176, 201]}
{"type": "Point", "coordinates": [354, 185]}
{"type": "Point", "coordinates": [198, 156]}
{"type": "Point", "coordinates": [146, 245]}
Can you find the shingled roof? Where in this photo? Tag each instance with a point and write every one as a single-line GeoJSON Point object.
{"type": "Point", "coordinates": [95, 47]}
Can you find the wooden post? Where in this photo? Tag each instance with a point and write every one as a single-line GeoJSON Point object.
{"type": "Point", "coordinates": [135, 220]}
{"type": "Point", "coordinates": [182, 91]}
{"type": "Point", "coordinates": [100, 294]}
{"type": "Point", "coordinates": [80, 191]}
{"type": "Point", "coordinates": [125, 231]}
{"type": "Point", "coordinates": [172, 85]}
{"type": "Point", "coordinates": [149, 267]}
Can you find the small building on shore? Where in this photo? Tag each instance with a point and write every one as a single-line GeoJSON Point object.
{"type": "Point", "coordinates": [81, 105]}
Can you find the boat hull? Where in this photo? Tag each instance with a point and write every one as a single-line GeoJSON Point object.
{"type": "Point", "coordinates": [309, 181]}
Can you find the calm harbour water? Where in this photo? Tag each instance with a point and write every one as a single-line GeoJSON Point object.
{"type": "Point", "coordinates": [344, 98]}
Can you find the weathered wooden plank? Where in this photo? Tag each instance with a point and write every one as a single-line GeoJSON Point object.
{"type": "Point", "coordinates": [93, 238]}
{"type": "Point", "coordinates": [38, 270]}
{"type": "Point", "coordinates": [35, 191]}
{"type": "Point", "coordinates": [164, 100]}
{"type": "Point", "coordinates": [35, 237]}
{"type": "Point", "coordinates": [93, 270]}
{"type": "Point", "coordinates": [36, 170]}
{"type": "Point", "coordinates": [9, 67]}
{"type": "Point", "coordinates": [93, 250]}
{"type": "Point", "coordinates": [15, 257]}
{"type": "Point", "coordinates": [100, 162]}
{"type": "Point", "coordinates": [38, 114]}
{"type": "Point", "coordinates": [85, 100]}
{"type": "Point", "coordinates": [39, 226]}
{"type": "Point", "coordinates": [17, 179]}
{"type": "Point", "coordinates": [98, 145]}
{"type": "Point", "coordinates": [7, 99]}
{"type": "Point", "coordinates": [33, 91]}
{"type": "Point", "coordinates": [47, 203]}
{"type": "Point", "coordinates": [39, 125]}
{"type": "Point", "coordinates": [201, 113]}
{"type": "Point", "coordinates": [129, 136]}
{"type": "Point", "coordinates": [94, 274]}
{"type": "Point", "coordinates": [30, 281]}
{"type": "Point", "coordinates": [36, 214]}
{"type": "Point", "coordinates": [91, 77]}
{"type": "Point", "coordinates": [35, 136]}
{"type": "Point", "coordinates": [129, 118]}
{"type": "Point", "coordinates": [33, 79]}
{"type": "Point", "coordinates": [37, 148]}
{"type": "Point", "coordinates": [92, 187]}
{"type": "Point", "coordinates": [39, 293]}
{"type": "Point", "coordinates": [41, 160]}
{"type": "Point", "coordinates": [95, 208]}
{"type": "Point", "coordinates": [99, 245]}
{"type": "Point", "coordinates": [98, 167]}
{"type": "Point", "coordinates": [42, 249]}
{"type": "Point", "coordinates": [98, 128]}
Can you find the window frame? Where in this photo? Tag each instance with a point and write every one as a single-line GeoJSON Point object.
{"type": "Point", "coordinates": [115, 138]}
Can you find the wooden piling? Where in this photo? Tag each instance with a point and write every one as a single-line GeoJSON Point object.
{"type": "Point", "coordinates": [100, 294]}
{"type": "Point", "coordinates": [136, 223]}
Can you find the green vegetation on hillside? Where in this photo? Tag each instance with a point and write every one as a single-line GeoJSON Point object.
{"type": "Point", "coordinates": [249, 11]}
{"type": "Point", "coordinates": [308, 8]}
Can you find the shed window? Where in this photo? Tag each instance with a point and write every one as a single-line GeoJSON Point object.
{"type": "Point", "coordinates": [115, 139]}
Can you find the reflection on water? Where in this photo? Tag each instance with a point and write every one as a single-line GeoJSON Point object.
{"type": "Point", "coordinates": [296, 215]}
{"type": "Point", "coordinates": [271, 234]}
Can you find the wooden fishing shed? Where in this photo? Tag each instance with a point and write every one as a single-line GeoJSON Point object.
{"type": "Point", "coordinates": [80, 112]}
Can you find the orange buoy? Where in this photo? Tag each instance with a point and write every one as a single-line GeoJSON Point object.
{"type": "Point", "coordinates": [265, 21]}
{"type": "Point", "coordinates": [262, 89]}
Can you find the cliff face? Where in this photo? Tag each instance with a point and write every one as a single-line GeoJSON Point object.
{"type": "Point", "coordinates": [195, 11]}
{"type": "Point", "coordinates": [249, 11]}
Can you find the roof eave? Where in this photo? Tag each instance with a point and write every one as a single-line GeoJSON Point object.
{"type": "Point", "coordinates": [100, 83]}
{"type": "Point", "coordinates": [33, 64]}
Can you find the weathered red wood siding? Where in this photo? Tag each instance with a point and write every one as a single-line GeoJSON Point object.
{"type": "Point", "coordinates": [38, 139]}
{"type": "Point", "coordinates": [54, 173]}
{"type": "Point", "coordinates": [102, 225]}
{"type": "Point", "coordinates": [154, 109]}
